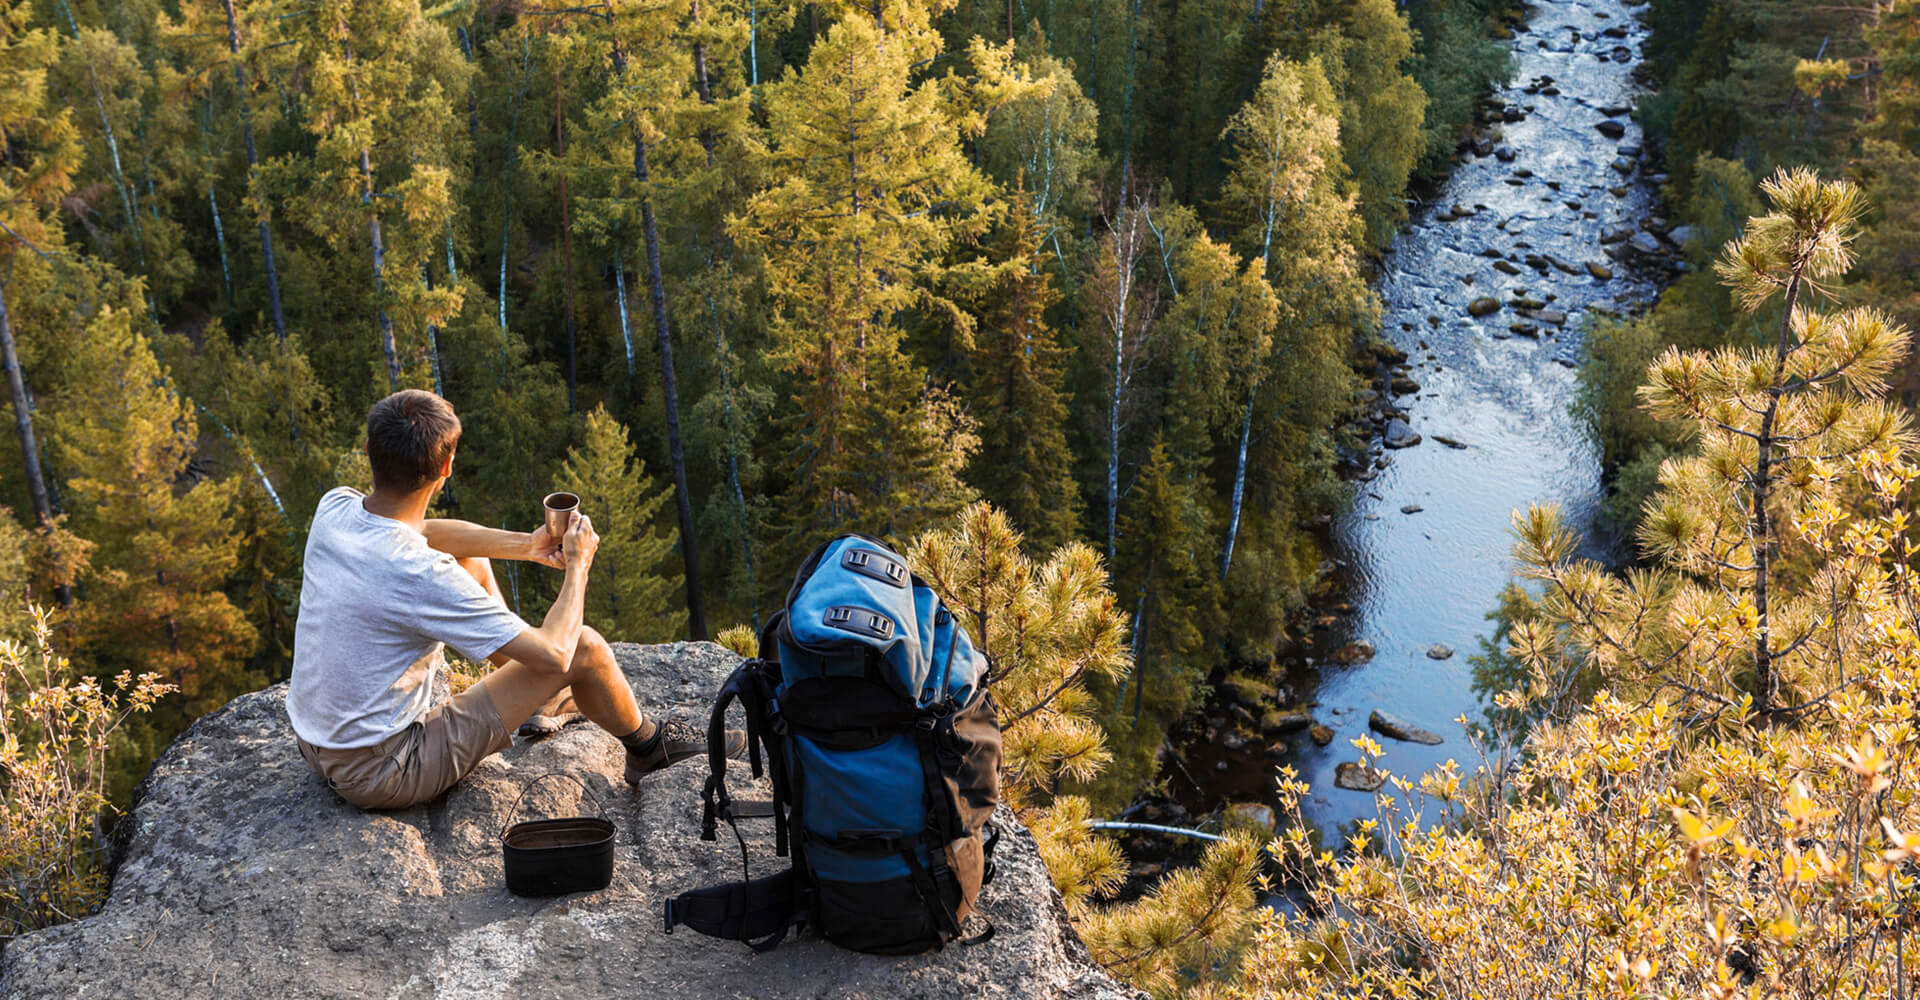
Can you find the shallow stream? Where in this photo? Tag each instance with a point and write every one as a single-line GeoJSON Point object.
{"type": "Point", "coordinates": [1554, 194]}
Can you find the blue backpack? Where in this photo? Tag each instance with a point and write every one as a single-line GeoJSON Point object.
{"type": "Point", "coordinates": [869, 706]}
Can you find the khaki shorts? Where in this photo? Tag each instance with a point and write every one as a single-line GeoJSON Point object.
{"type": "Point", "coordinates": [419, 762]}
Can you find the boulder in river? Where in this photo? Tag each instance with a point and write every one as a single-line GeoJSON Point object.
{"type": "Point", "coordinates": [1681, 235]}
{"type": "Point", "coordinates": [244, 876]}
{"type": "Point", "coordinates": [1600, 271]}
{"type": "Point", "coordinates": [1357, 651]}
{"type": "Point", "coordinates": [1646, 243]}
{"type": "Point", "coordinates": [1394, 727]}
{"type": "Point", "coordinates": [1449, 442]}
{"type": "Point", "coordinates": [1440, 651]}
{"type": "Point", "coordinates": [1287, 721]}
{"type": "Point", "coordinates": [1358, 777]}
{"type": "Point", "coordinates": [1611, 129]}
{"type": "Point", "coordinates": [1412, 508]}
{"type": "Point", "coordinates": [1252, 814]}
{"type": "Point", "coordinates": [1400, 434]}
{"type": "Point", "coordinates": [1506, 267]}
{"type": "Point", "coordinates": [1483, 306]}
{"type": "Point", "coordinates": [1321, 735]}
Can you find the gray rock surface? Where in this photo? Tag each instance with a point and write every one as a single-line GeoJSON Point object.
{"type": "Point", "coordinates": [1357, 777]}
{"type": "Point", "coordinates": [246, 877]}
{"type": "Point", "coordinates": [1400, 434]}
{"type": "Point", "coordinates": [1394, 727]}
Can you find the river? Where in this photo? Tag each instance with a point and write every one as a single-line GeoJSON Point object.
{"type": "Point", "coordinates": [1551, 192]}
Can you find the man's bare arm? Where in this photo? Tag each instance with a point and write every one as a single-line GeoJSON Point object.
{"type": "Point", "coordinates": [550, 647]}
{"type": "Point", "coordinates": [466, 540]}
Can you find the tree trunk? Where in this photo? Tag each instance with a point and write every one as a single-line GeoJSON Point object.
{"type": "Point", "coordinates": [433, 336]}
{"type": "Point", "coordinates": [379, 267]}
{"type": "Point", "coordinates": [120, 184]}
{"type": "Point", "coordinates": [1139, 643]}
{"type": "Point", "coordinates": [702, 87]}
{"type": "Point", "coordinates": [253, 163]}
{"type": "Point", "coordinates": [689, 542]}
{"type": "Point", "coordinates": [620, 291]}
{"type": "Point", "coordinates": [220, 237]}
{"type": "Point", "coordinates": [733, 448]}
{"type": "Point", "coordinates": [1761, 528]}
{"type": "Point", "coordinates": [753, 45]}
{"type": "Point", "coordinates": [566, 243]}
{"type": "Point", "coordinates": [1239, 486]}
{"type": "Point", "coordinates": [29, 446]}
{"type": "Point", "coordinates": [506, 180]}
{"type": "Point", "coordinates": [1113, 442]}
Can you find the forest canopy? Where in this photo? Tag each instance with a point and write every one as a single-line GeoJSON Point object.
{"type": "Point", "coordinates": [743, 274]}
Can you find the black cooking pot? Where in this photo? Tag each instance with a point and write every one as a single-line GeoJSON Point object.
{"type": "Point", "coordinates": [552, 857]}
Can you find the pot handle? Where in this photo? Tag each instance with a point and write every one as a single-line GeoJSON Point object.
{"type": "Point", "coordinates": [528, 787]}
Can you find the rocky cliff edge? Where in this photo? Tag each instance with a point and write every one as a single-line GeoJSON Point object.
{"type": "Point", "coordinates": [245, 876]}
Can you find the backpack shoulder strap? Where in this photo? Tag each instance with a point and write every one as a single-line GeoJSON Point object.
{"type": "Point", "coordinates": [752, 685]}
{"type": "Point", "coordinates": [759, 912]}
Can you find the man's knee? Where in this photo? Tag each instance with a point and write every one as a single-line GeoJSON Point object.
{"type": "Point", "coordinates": [593, 649]}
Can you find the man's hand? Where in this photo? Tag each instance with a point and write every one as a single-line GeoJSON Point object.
{"type": "Point", "coordinates": [581, 542]}
{"type": "Point", "coordinates": [545, 549]}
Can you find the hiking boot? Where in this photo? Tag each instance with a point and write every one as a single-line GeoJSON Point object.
{"type": "Point", "coordinates": [540, 727]}
{"type": "Point", "coordinates": [676, 741]}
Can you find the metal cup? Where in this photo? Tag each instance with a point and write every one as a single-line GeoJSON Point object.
{"type": "Point", "coordinates": [560, 508]}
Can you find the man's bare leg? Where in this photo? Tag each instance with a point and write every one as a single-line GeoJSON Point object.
{"type": "Point", "coordinates": [598, 687]}
{"type": "Point", "coordinates": [481, 569]}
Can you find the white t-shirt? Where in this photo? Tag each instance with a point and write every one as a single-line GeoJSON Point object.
{"type": "Point", "coordinates": [376, 607]}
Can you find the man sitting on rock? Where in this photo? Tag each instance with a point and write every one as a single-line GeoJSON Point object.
{"type": "Point", "coordinates": [387, 588]}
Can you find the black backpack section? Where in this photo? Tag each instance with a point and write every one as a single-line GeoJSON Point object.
{"type": "Point", "coordinates": [868, 711]}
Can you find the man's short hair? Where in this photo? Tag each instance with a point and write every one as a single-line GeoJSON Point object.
{"type": "Point", "coordinates": [410, 436]}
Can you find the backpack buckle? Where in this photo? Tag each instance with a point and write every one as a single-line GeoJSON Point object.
{"type": "Point", "coordinates": [859, 621]}
{"type": "Point", "coordinates": [876, 565]}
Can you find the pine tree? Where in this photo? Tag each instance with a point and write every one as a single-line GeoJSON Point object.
{"type": "Point", "coordinates": [153, 597]}
{"type": "Point", "coordinates": [873, 192]}
{"type": "Point", "coordinates": [1164, 567]}
{"type": "Point", "coordinates": [636, 119]}
{"type": "Point", "coordinates": [1055, 634]}
{"type": "Point", "coordinates": [1739, 599]}
{"type": "Point", "coordinates": [378, 79]}
{"type": "Point", "coordinates": [262, 211]}
{"type": "Point", "coordinates": [38, 155]}
{"type": "Point", "coordinates": [631, 590]}
{"type": "Point", "coordinates": [1050, 627]}
{"type": "Point", "coordinates": [1016, 384]}
{"type": "Point", "coordinates": [1889, 165]}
